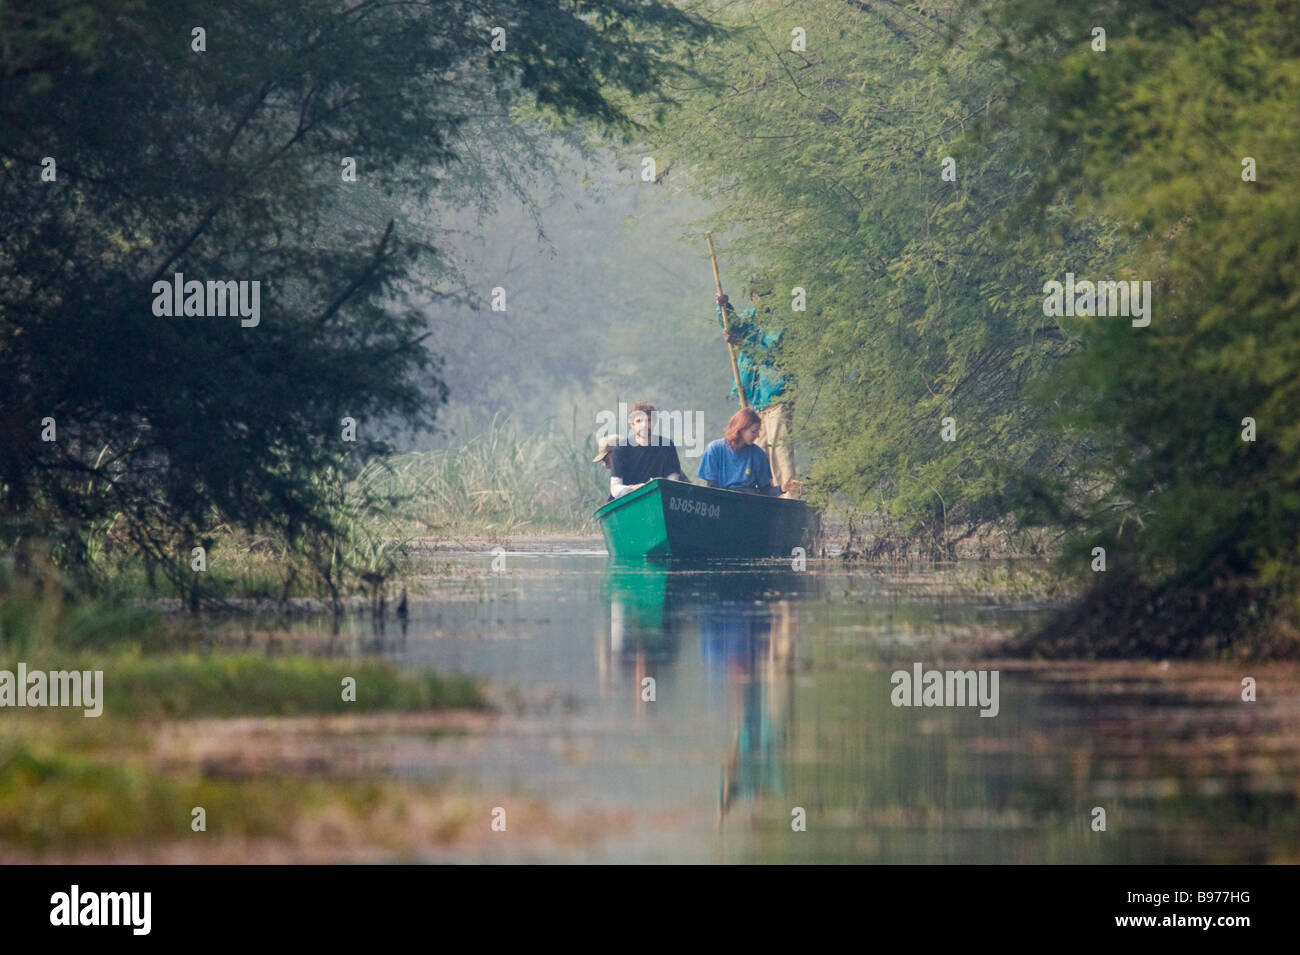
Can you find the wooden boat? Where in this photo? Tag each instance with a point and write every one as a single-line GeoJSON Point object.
{"type": "Point", "coordinates": [674, 519]}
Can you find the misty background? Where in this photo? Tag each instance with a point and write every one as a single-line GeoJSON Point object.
{"type": "Point", "coordinates": [609, 296]}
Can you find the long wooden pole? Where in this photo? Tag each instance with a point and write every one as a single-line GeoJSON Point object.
{"type": "Point", "coordinates": [726, 326]}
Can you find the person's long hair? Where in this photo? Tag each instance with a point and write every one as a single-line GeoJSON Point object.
{"type": "Point", "coordinates": [742, 419]}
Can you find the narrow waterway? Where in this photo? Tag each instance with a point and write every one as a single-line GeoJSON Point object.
{"type": "Point", "coordinates": [744, 713]}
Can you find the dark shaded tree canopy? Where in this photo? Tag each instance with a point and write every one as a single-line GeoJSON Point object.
{"type": "Point", "coordinates": [221, 156]}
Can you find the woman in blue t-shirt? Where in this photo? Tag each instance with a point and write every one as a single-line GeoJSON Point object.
{"type": "Point", "coordinates": [735, 462]}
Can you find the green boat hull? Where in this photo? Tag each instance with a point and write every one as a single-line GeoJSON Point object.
{"type": "Point", "coordinates": [674, 519]}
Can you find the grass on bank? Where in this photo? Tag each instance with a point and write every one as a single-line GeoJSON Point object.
{"type": "Point", "coordinates": [59, 795]}
{"type": "Point", "coordinates": [248, 684]}
{"type": "Point", "coordinates": [151, 670]}
{"type": "Point", "coordinates": [498, 480]}
{"type": "Point", "coordinates": [69, 783]}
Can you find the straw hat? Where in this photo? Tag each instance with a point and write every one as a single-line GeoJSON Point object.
{"type": "Point", "coordinates": [607, 444]}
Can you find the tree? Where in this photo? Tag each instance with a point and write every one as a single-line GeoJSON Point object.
{"type": "Point", "coordinates": [217, 146]}
{"type": "Point", "coordinates": [1185, 128]}
{"type": "Point", "coordinates": [847, 163]}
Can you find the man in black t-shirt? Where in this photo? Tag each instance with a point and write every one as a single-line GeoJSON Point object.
{"type": "Point", "coordinates": [642, 457]}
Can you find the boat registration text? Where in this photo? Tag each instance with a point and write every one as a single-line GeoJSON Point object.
{"type": "Point", "coordinates": [700, 508]}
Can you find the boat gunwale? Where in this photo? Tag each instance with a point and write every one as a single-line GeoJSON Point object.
{"type": "Point", "coordinates": [654, 485]}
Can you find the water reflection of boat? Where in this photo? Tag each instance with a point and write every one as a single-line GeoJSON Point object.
{"type": "Point", "coordinates": [674, 519]}
{"type": "Point", "coordinates": [642, 633]}
{"type": "Point", "coordinates": [745, 618]}
{"type": "Point", "coordinates": [638, 598]}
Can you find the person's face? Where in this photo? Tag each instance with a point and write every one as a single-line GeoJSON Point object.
{"type": "Point", "coordinates": [750, 434]}
{"type": "Point", "coordinates": [640, 422]}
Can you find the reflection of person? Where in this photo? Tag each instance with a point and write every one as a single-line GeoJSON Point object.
{"type": "Point", "coordinates": [765, 387]}
{"type": "Point", "coordinates": [736, 641]}
{"type": "Point", "coordinates": [640, 459]}
{"type": "Point", "coordinates": [735, 462]}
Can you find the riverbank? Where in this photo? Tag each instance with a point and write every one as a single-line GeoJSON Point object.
{"type": "Point", "coordinates": [71, 786]}
{"type": "Point", "coordinates": [1190, 784]}
{"type": "Point", "coordinates": [523, 690]}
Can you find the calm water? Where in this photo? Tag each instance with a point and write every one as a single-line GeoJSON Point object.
{"type": "Point", "coordinates": [772, 695]}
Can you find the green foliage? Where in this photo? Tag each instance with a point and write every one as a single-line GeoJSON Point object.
{"type": "Point", "coordinates": [922, 303]}
{"type": "Point", "coordinates": [192, 685]}
{"type": "Point", "coordinates": [51, 798]}
{"type": "Point", "coordinates": [226, 165]}
{"type": "Point", "coordinates": [1153, 132]}
{"type": "Point", "coordinates": [38, 616]}
{"type": "Point", "coordinates": [59, 792]}
{"type": "Point", "coordinates": [925, 296]}
{"type": "Point", "coordinates": [502, 478]}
